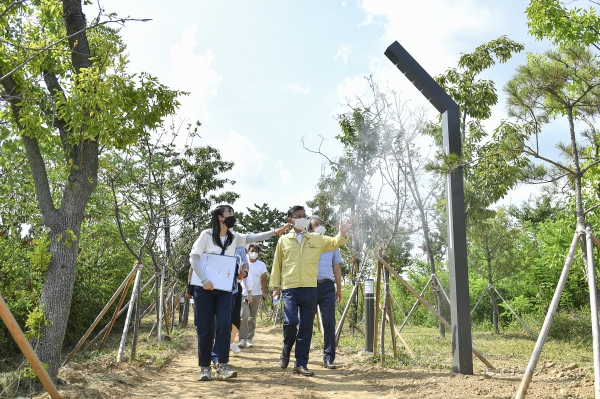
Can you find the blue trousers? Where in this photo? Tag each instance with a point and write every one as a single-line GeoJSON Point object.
{"type": "Point", "coordinates": [326, 302]}
{"type": "Point", "coordinates": [300, 306]}
{"type": "Point", "coordinates": [215, 350]}
{"type": "Point", "coordinates": [212, 309]}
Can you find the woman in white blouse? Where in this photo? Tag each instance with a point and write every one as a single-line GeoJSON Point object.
{"type": "Point", "coordinates": [215, 305]}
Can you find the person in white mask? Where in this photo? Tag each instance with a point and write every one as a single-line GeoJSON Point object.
{"type": "Point", "coordinates": [254, 290]}
{"type": "Point", "coordinates": [294, 280]}
{"type": "Point", "coordinates": [329, 290]}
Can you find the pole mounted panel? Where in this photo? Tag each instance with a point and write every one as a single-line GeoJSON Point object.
{"type": "Point", "coordinates": [455, 205]}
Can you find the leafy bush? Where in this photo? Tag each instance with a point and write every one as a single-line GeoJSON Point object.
{"type": "Point", "coordinates": [573, 325]}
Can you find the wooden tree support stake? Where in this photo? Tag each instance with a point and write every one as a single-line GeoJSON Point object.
{"type": "Point", "coordinates": [116, 314]}
{"type": "Point", "coordinates": [159, 314]}
{"type": "Point", "coordinates": [515, 313]}
{"type": "Point", "coordinates": [123, 308]}
{"type": "Point", "coordinates": [591, 277]}
{"type": "Point", "coordinates": [397, 334]}
{"type": "Point", "coordinates": [414, 306]}
{"type": "Point", "coordinates": [25, 346]}
{"type": "Point", "coordinates": [136, 324]}
{"type": "Point", "coordinates": [537, 350]}
{"type": "Point", "coordinates": [433, 312]}
{"type": "Point", "coordinates": [99, 317]}
{"type": "Point", "coordinates": [377, 298]}
{"type": "Point", "coordinates": [129, 311]}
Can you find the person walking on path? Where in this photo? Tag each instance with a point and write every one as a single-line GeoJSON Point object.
{"type": "Point", "coordinates": [294, 278]}
{"type": "Point", "coordinates": [255, 290]}
{"type": "Point", "coordinates": [329, 290]}
{"type": "Point", "coordinates": [212, 310]}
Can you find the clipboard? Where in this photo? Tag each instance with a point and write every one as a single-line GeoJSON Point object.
{"type": "Point", "coordinates": [219, 269]}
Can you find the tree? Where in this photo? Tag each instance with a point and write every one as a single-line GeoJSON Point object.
{"type": "Point", "coordinates": [562, 83]}
{"type": "Point", "coordinates": [258, 219]}
{"type": "Point", "coordinates": [74, 100]}
{"type": "Point", "coordinates": [402, 167]}
{"type": "Point", "coordinates": [493, 253]}
{"type": "Point", "coordinates": [554, 20]}
{"type": "Point", "coordinates": [490, 170]}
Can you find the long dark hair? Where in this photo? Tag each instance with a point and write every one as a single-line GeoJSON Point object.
{"type": "Point", "coordinates": [216, 226]}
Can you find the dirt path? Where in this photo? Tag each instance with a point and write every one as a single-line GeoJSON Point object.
{"type": "Point", "coordinates": [261, 377]}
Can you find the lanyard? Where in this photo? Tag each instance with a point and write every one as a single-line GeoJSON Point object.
{"type": "Point", "coordinates": [225, 245]}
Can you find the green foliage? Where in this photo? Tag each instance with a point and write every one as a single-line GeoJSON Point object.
{"type": "Point", "coordinates": [492, 250]}
{"type": "Point", "coordinates": [197, 181]}
{"type": "Point", "coordinates": [258, 219]}
{"type": "Point", "coordinates": [39, 257]}
{"type": "Point", "coordinates": [36, 321]}
{"type": "Point", "coordinates": [490, 169]}
{"type": "Point", "coordinates": [574, 325]}
{"type": "Point", "coordinates": [563, 23]}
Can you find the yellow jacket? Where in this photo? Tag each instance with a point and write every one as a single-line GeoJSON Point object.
{"type": "Point", "coordinates": [297, 265]}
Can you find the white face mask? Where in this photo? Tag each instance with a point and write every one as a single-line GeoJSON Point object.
{"type": "Point", "coordinates": [320, 230]}
{"type": "Point", "coordinates": [253, 255]}
{"type": "Point", "coordinates": [301, 224]}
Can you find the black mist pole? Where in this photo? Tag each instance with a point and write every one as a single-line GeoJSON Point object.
{"type": "Point", "coordinates": [455, 205]}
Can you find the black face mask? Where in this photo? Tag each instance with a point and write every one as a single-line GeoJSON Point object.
{"type": "Point", "coordinates": [229, 221]}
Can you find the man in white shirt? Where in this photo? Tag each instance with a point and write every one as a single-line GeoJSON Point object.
{"type": "Point", "coordinates": [254, 289]}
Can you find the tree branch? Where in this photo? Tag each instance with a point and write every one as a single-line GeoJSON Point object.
{"type": "Point", "coordinates": [55, 88]}
{"type": "Point", "coordinates": [34, 156]}
{"type": "Point", "coordinates": [591, 209]}
{"type": "Point", "coordinates": [72, 35]}
{"type": "Point", "coordinates": [319, 150]}
{"type": "Point", "coordinates": [10, 7]}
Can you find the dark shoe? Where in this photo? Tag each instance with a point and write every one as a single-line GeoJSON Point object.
{"type": "Point", "coordinates": [302, 370]}
{"type": "Point", "coordinates": [329, 365]}
{"type": "Point", "coordinates": [284, 360]}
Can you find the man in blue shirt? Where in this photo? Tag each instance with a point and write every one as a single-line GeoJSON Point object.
{"type": "Point", "coordinates": [329, 289]}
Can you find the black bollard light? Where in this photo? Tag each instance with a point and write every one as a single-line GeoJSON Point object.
{"type": "Point", "coordinates": [369, 316]}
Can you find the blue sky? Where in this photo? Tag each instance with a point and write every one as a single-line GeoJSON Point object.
{"type": "Point", "coordinates": [264, 74]}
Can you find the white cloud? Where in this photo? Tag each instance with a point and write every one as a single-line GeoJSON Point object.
{"type": "Point", "coordinates": [193, 73]}
{"type": "Point", "coordinates": [367, 21]}
{"type": "Point", "coordinates": [343, 53]}
{"type": "Point", "coordinates": [284, 173]}
{"type": "Point", "coordinates": [298, 89]}
{"type": "Point", "coordinates": [344, 4]}
{"type": "Point", "coordinates": [439, 24]}
{"type": "Point", "coordinates": [249, 161]}
{"type": "Point", "coordinates": [300, 198]}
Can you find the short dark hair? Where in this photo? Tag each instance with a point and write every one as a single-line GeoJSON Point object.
{"type": "Point", "coordinates": [294, 209]}
{"type": "Point", "coordinates": [254, 246]}
{"type": "Point", "coordinates": [315, 218]}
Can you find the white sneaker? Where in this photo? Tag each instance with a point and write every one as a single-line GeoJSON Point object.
{"type": "Point", "coordinates": [249, 343]}
{"type": "Point", "coordinates": [204, 374]}
{"type": "Point", "coordinates": [234, 348]}
{"type": "Point", "coordinates": [242, 343]}
{"type": "Point", "coordinates": [224, 372]}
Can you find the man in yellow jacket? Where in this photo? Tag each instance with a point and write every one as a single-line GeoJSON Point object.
{"type": "Point", "coordinates": [294, 279]}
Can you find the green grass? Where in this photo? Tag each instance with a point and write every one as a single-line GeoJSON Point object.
{"type": "Point", "coordinates": [508, 350]}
